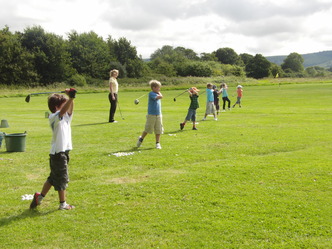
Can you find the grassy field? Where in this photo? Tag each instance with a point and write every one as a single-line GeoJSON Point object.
{"type": "Point", "coordinates": [259, 177]}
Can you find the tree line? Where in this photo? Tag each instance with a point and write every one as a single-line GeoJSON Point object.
{"type": "Point", "coordinates": [36, 57]}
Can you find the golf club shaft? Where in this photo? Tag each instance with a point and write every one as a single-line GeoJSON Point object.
{"type": "Point", "coordinates": [141, 96]}
{"type": "Point", "coordinates": [182, 93]}
{"type": "Point", "coordinates": [27, 99]}
{"type": "Point", "coordinates": [120, 110]}
{"type": "Point", "coordinates": [47, 92]}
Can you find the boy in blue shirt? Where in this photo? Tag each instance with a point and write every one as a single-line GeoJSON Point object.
{"type": "Point", "coordinates": [154, 117]}
{"type": "Point", "coordinates": [210, 107]}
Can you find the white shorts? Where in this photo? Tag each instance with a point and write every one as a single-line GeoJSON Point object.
{"type": "Point", "coordinates": [154, 123]}
{"type": "Point", "coordinates": [210, 107]}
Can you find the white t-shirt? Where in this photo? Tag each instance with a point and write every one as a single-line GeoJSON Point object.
{"type": "Point", "coordinates": [61, 139]}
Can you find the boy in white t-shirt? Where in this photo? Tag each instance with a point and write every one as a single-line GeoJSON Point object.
{"type": "Point", "coordinates": [60, 120]}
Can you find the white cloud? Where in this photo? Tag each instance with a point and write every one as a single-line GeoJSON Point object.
{"type": "Point", "coordinates": [267, 27]}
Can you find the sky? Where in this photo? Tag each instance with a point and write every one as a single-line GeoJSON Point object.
{"type": "Point", "coordinates": [267, 27]}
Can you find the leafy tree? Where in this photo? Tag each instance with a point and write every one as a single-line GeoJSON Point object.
{"type": "Point", "coordinates": [194, 68]}
{"type": "Point", "coordinates": [126, 54]}
{"type": "Point", "coordinates": [186, 53]}
{"type": "Point", "coordinates": [170, 55]}
{"type": "Point", "coordinates": [51, 59]}
{"type": "Point", "coordinates": [246, 58]}
{"type": "Point", "coordinates": [227, 56]}
{"type": "Point", "coordinates": [90, 54]}
{"type": "Point", "coordinates": [316, 71]}
{"type": "Point", "coordinates": [293, 62]}
{"type": "Point", "coordinates": [258, 67]}
{"type": "Point", "coordinates": [16, 63]}
{"type": "Point", "coordinates": [276, 70]}
{"type": "Point", "coordinates": [208, 57]}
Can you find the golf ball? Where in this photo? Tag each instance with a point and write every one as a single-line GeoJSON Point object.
{"type": "Point", "coordinates": [136, 101]}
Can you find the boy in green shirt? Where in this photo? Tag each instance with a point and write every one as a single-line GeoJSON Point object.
{"type": "Point", "coordinates": [193, 95]}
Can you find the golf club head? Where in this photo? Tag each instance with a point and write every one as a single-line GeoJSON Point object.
{"type": "Point", "coordinates": [136, 101]}
{"type": "Point", "coordinates": [27, 99]}
{"type": "Point", "coordinates": [174, 99]}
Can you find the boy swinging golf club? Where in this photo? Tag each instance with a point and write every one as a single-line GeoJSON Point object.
{"type": "Point", "coordinates": [60, 120]}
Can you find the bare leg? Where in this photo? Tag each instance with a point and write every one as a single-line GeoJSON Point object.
{"type": "Point", "coordinates": [62, 195]}
{"type": "Point", "coordinates": [47, 186]}
{"type": "Point", "coordinates": [144, 134]}
{"type": "Point", "coordinates": [157, 138]}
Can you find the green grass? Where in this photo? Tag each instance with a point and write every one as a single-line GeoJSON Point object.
{"type": "Point", "coordinates": [259, 177]}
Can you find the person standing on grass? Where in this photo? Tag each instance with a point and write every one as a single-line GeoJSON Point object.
{"type": "Point", "coordinates": [210, 107]}
{"type": "Point", "coordinates": [193, 95]}
{"type": "Point", "coordinates": [154, 118]}
{"type": "Point", "coordinates": [225, 98]}
{"type": "Point", "coordinates": [60, 121]}
{"type": "Point", "coordinates": [239, 92]}
{"type": "Point", "coordinates": [113, 95]}
{"type": "Point", "coordinates": [216, 94]}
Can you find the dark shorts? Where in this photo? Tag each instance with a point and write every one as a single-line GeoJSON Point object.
{"type": "Point", "coordinates": [191, 115]}
{"type": "Point", "coordinates": [59, 171]}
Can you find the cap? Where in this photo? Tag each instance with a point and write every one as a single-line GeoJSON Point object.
{"type": "Point", "coordinates": [194, 89]}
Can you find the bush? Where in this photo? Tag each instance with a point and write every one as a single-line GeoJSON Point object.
{"type": "Point", "coordinates": [77, 80]}
{"type": "Point", "coordinates": [197, 69]}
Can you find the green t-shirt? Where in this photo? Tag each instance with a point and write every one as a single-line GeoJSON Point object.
{"type": "Point", "coordinates": [194, 102]}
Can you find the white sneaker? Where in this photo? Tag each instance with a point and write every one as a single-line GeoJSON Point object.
{"type": "Point", "coordinates": [158, 146]}
{"type": "Point", "coordinates": [216, 119]}
{"type": "Point", "coordinates": [65, 206]}
{"type": "Point", "coordinates": [203, 119]}
{"type": "Point", "coordinates": [139, 142]}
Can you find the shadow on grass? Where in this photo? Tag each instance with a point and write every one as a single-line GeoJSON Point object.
{"type": "Point", "coordinates": [170, 133]}
{"type": "Point", "coordinates": [28, 213]}
{"type": "Point", "coordinates": [91, 124]}
{"type": "Point", "coordinates": [133, 149]}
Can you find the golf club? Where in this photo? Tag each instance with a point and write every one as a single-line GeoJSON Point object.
{"type": "Point", "coordinates": [120, 110]}
{"type": "Point", "coordinates": [180, 94]}
{"type": "Point", "coordinates": [137, 100]}
{"type": "Point", "coordinates": [27, 99]}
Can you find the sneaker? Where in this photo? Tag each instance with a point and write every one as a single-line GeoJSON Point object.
{"type": "Point", "coordinates": [203, 119]}
{"type": "Point", "coordinates": [233, 106]}
{"type": "Point", "coordinates": [223, 110]}
{"type": "Point", "coordinates": [139, 141]}
{"type": "Point", "coordinates": [181, 126]}
{"type": "Point", "coordinates": [37, 199]}
{"type": "Point", "coordinates": [216, 119]}
{"type": "Point", "coordinates": [194, 128]}
{"type": "Point", "coordinates": [158, 146]}
{"type": "Point", "coordinates": [66, 207]}
{"type": "Point", "coordinates": [114, 121]}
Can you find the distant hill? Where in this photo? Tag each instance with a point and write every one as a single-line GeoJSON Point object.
{"type": "Point", "coordinates": [322, 59]}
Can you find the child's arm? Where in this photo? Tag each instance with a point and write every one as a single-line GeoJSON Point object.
{"type": "Point", "coordinates": [69, 105]}
{"type": "Point", "coordinates": [159, 95]}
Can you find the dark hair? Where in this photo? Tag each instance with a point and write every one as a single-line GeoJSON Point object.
{"type": "Point", "coordinates": [55, 100]}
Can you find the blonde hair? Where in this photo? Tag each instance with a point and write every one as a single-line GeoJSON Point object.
{"type": "Point", "coordinates": [154, 83]}
{"type": "Point", "coordinates": [114, 71]}
{"type": "Point", "coordinates": [223, 85]}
